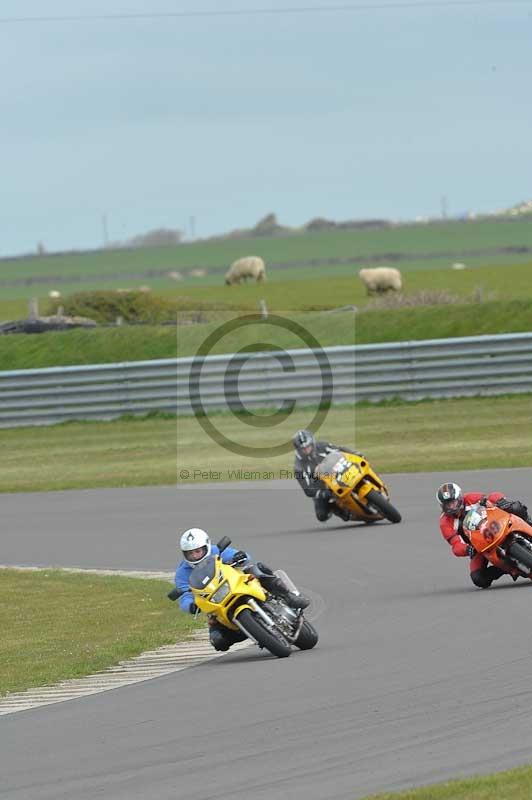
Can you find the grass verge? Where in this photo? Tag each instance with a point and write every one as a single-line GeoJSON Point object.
{"type": "Point", "coordinates": [461, 433]}
{"type": "Point", "coordinates": [58, 625]}
{"type": "Point", "coordinates": [512, 784]}
{"type": "Point", "coordinates": [140, 343]}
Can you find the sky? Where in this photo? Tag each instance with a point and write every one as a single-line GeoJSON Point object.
{"type": "Point", "coordinates": [116, 126]}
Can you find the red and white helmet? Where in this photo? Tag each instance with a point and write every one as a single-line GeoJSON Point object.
{"type": "Point", "coordinates": [195, 539]}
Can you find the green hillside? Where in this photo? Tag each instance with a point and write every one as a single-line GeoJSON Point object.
{"type": "Point", "coordinates": [410, 246]}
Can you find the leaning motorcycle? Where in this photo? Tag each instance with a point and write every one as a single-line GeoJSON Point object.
{"type": "Point", "coordinates": [355, 486]}
{"type": "Point", "coordinates": [503, 538]}
{"type": "Point", "coordinates": [237, 600]}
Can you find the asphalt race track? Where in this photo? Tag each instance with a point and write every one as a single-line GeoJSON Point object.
{"type": "Point", "coordinates": [418, 676]}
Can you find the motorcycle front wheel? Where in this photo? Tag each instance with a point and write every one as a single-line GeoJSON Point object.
{"type": "Point", "coordinates": [521, 553]}
{"type": "Point", "coordinates": [307, 638]}
{"type": "Point", "coordinates": [264, 637]}
{"type": "Point", "coordinates": [385, 507]}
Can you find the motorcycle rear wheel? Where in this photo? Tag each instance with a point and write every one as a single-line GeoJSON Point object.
{"type": "Point", "coordinates": [308, 637]}
{"type": "Point", "coordinates": [385, 507]}
{"type": "Point", "coordinates": [264, 637]}
{"type": "Point", "coordinates": [521, 553]}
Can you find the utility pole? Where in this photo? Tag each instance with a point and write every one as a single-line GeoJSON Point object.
{"type": "Point", "coordinates": [192, 222]}
{"type": "Point", "coordinates": [105, 231]}
{"type": "Point", "coordinates": [443, 204]}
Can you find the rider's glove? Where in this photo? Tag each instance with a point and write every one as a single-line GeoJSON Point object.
{"type": "Point", "coordinates": [193, 608]}
{"type": "Point", "coordinates": [470, 551]}
{"type": "Point", "coordinates": [239, 557]}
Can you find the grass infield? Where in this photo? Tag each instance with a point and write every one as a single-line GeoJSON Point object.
{"type": "Point", "coordinates": [512, 784]}
{"type": "Point", "coordinates": [58, 625]}
{"type": "Point", "coordinates": [396, 436]}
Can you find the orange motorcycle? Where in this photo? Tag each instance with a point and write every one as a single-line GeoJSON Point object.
{"type": "Point", "coordinates": [503, 538]}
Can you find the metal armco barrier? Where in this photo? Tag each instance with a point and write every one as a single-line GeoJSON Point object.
{"type": "Point", "coordinates": [478, 365]}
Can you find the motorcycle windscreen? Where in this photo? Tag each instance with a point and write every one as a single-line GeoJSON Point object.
{"type": "Point", "coordinates": [326, 467]}
{"type": "Point", "coordinates": [203, 573]}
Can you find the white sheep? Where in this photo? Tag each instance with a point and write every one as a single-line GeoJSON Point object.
{"type": "Point", "coordinates": [381, 279]}
{"type": "Point", "coordinates": [176, 276]}
{"type": "Point", "coordinates": [54, 294]}
{"type": "Point", "coordinates": [198, 273]}
{"type": "Point", "coordinates": [244, 268]}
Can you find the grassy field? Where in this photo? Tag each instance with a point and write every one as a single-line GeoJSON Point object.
{"type": "Point", "coordinates": [417, 239]}
{"type": "Point", "coordinates": [506, 280]}
{"type": "Point", "coordinates": [513, 784]}
{"type": "Point", "coordinates": [508, 310]}
{"type": "Point", "coordinates": [70, 625]}
{"type": "Point", "coordinates": [166, 451]}
{"type": "Point", "coordinates": [323, 289]}
{"type": "Point", "coordinates": [15, 298]}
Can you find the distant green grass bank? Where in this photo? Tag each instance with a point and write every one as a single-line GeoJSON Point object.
{"type": "Point", "coordinates": [466, 433]}
{"type": "Point", "coordinates": [514, 784]}
{"type": "Point", "coordinates": [139, 343]}
{"type": "Point", "coordinates": [56, 625]}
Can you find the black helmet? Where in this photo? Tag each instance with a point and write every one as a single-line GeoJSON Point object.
{"type": "Point", "coordinates": [304, 442]}
{"type": "Point", "coordinates": [451, 499]}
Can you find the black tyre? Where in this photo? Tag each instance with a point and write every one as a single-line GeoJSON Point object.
{"type": "Point", "coordinates": [308, 637]}
{"type": "Point", "coordinates": [520, 552]}
{"type": "Point", "coordinates": [385, 507]}
{"type": "Point", "coordinates": [256, 629]}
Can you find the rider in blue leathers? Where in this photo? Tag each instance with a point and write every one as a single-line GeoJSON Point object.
{"type": "Point", "coordinates": [196, 546]}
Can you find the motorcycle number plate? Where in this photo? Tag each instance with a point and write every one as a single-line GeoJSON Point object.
{"type": "Point", "coordinates": [349, 475]}
{"type": "Point", "coordinates": [491, 531]}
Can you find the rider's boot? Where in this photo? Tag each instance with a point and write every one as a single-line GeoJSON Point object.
{"type": "Point", "coordinates": [273, 584]}
{"type": "Point", "coordinates": [290, 598]}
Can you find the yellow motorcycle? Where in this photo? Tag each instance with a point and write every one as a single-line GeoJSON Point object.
{"type": "Point", "coordinates": [238, 601]}
{"type": "Point", "coordinates": [356, 487]}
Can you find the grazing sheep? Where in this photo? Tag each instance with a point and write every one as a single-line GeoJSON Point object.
{"type": "Point", "coordinates": [176, 276]}
{"type": "Point", "coordinates": [54, 294]}
{"type": "Point", "coordinates": [458, 265]}
{"type": "Point", "coordinates": [379, 280]}
{"type": "Point", "coordinates": [244, 268]}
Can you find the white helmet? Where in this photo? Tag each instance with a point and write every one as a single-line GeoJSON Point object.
{"type": "Point", "coordinates": [195, 539]}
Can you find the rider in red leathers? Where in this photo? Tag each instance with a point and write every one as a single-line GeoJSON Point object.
{"type": "Point", "coordinates": [454, 505]}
